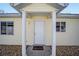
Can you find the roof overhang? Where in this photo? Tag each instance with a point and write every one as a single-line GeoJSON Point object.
{"type": "Point", "coordinates": [66, 15]}
{"type": "Point", "coordinates": [16, 15]}
{"type": "Point", "coordinates": [70, 16]}
{"type": "Point", "coordinates": [58, 6]}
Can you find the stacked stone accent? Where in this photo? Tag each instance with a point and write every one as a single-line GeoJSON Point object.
{"type": "Point", "coordinates": [15, 50]}
{"type": "Point", "coordinates": [10, 50]}
{"type": "Point", "coordinates": [67, 51]}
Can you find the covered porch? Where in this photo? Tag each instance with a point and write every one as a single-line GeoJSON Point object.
{"type": "Point", "coordinates": [39, 14]}
{"type": "Point", "coordinates": [38, 30]}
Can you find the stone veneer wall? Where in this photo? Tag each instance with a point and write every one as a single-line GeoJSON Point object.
{"type": "Point", "coordinates": [67, 51]}
{"type": "Point", "coordinates": [15, 50]}
{"type": "Point", "coordinates": [10, 50]}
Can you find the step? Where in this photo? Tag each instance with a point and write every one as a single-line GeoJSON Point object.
{"type": "Point", "coordinates": [38, 50]}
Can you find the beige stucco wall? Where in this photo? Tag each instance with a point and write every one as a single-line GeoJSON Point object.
{"type": "Point", "coordinates": [12, 39]}
{"type": "Point", "coordinates": [70, 37]}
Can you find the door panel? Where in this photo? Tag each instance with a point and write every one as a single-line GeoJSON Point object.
{"type": "Point", "coordinates": [39, 32]}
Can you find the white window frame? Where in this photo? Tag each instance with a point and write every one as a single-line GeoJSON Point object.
{"type": "Point", "coordinates": [60, 27]}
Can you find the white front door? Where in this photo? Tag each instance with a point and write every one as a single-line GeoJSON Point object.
{"type": "Point", "coordinates": [39, 32]}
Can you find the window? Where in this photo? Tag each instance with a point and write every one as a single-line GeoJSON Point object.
{"type": "Point", "coordinates": [3, 27]}
{"type": "Point", "coordinates": [7, 28]}
{"type": "Point", "coordinates": [60, 26]}
{"type": "Point", "coordinates": [57, 26]}
{"type": "Point", "coordinates": [63, 27]}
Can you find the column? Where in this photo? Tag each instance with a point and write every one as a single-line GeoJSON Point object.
{"type": "Point", "coordinates": [53, 33]}
{"type": "Point", "coordinates": [23, 33]}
